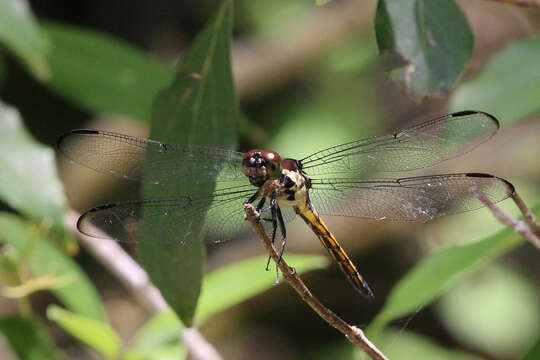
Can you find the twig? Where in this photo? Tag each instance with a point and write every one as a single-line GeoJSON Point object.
{"type": "Point", "coordinates": [528, 216]}
{"type": "Point", "coordinates": [352, 333]}
{"type": "Point", "coordinates": [535, 3]}
{"type": "Point", "coordinates": [505, 218]}
{"type": "Point", "coordinates": [136, 280]}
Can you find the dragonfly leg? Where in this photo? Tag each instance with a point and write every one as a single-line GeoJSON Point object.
{"type": "Point", "coordinates": [273, 208]}
{"type": "Point", "coordinates": [253, 198]}
{"type": "Point", "coordinates": [260, 204]}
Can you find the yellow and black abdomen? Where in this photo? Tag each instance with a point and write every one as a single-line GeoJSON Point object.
{"type": "Point", "coordinates": [311, 217]}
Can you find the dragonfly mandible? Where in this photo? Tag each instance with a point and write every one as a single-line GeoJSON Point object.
{"type": "Point", "coordinates": [333, 181]}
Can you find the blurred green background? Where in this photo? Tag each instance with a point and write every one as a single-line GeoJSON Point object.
{"type": "Point", "coordinates": [307, 77]}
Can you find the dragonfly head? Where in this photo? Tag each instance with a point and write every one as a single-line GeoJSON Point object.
{"type": "Point", "coordinates": [261, 165]}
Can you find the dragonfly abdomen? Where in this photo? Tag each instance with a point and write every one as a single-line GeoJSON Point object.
{"type": "Point", "coordinates": [311, 217]}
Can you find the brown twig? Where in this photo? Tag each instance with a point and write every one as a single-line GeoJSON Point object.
{"type": "Point", "coordinates": [527, 229]}
{"type": "Point", "coordinates": [352, 333]}
{"type": "Point", "coordinates": [136, 280]}
{"type": "Point", "coordinates": [535, 3]}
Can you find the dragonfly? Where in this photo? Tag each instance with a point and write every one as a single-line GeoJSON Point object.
{"type": "Point", "coordinates": [332, 182]}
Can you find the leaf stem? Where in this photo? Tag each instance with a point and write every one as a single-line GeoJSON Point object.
{"type": "Point", "coordinates": [352, 333]}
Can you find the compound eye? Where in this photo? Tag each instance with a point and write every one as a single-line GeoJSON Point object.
{"type": "Point", "coordinates": [252, 161]}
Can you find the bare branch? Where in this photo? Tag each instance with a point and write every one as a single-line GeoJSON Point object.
{"type": "Point", "coordinates": [352, 333]}
{"type": "Point", "coordinates": [535, 3]}
{"type": "Point", "coordinates": [505, 218]}
{"type": "Point", "coordinates": [136, 280]}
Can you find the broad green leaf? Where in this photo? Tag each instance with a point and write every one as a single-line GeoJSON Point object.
{"type": "Point", "coordinates": [436, 273]}
{"type": "Point", "coordinates": [166, 352]}
{"type": "Point", "coordinates": [405, 345]}
{"type": "Point", "coordinates": [44, 259]}
{"type": "Point", "coordinates": [238, 282]}
{"type": "Point", "coordinates": [509, 85]}
{"type": "Point", "coordinates": [29, 181]}
{"type": "Point", "coordinates": [28, 338]}
{"type": "Point", "coordinates": [96, 334]}
{"type": "Point", "coordinates": [103, 74]}
{"type": "Point", "coordinates": [432, 37]}
{"type": "Point", "coordinates": [163, 329]}
{"type": "Point", "coordinates": [484, 325]}
{"type": "Point", "coordinates": [21, 34]}
{"type": "Point", "coordinates": [534, 352]}
{"type": "Point", "coordinates": [199, 107]}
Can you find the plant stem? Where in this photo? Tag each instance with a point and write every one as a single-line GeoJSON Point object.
{"type": "Point", "coordinates": [352, 333]}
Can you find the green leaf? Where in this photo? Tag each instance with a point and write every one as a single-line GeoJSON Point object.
{"type": "Point", "coordinates": [238, 282]}
{"type": "Point", "coordinates": [93, 333]}
{"type": "Point", "coordinates": [21, 34]}
{"type": "Point", "coordinates": [436, 273]}
{"type": "Point", "coordinates": [29, 181]}
{"type": "Point", "coordinates": [483, 325]}
{"type": "Point", "coordinates": [44, 259]}
{"type": "Point", "coordinates": [199, 107]}
{"type": "Point", "coordinates": [167, 352]}
{"type": "Point", "coordinates": [534, 351]}
{"type": "Point", "coordinates": [432, 37]}
{"type": "Point", "coordinates": [162, 329]}
{"type": "Point", "coordinates": [509, 85]}
{"type": "Point", "coordinates": [404, 345]}
{"type": "Point", "coordinates": [103, 74]}
{"type": "Point", "coordinates": [28, 338]}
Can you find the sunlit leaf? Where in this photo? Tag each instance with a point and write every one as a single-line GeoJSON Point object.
{"type": "Point", "coordinates": [20, 32]}
{"type": "Point", "coordinates": [163, 329]}
{"type": "Point", "coordinates": [432, 38]}
{"type": "Point", "coordinates": [436, 273]}
{"type": "Point", "coordinates": [29, 181]}
{"type": "Point", "coordinates": [238, 282]}
{"type": "Point", "coordinates": [103, 74]}
{"type": "Point", "coordinates": [404, 345]}
{"type": "Point", "coordinates": [28, 338]}
{"type": "Point", "coordinates": [483, 324]}
{"type": "Point", "coordinates": [96, 334]}
{"type": "Point", "coordinates": [199, 107]}
{"type": "Point", "coordinates": [44, 259]}
{"type": "Point", "coordinates": [509, 85]}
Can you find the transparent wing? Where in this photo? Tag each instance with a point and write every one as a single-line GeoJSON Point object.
{"type": "Point", "coordinates": [421, 198]}
{"type": "Point", "coordinates": [126, 156]}
{"type": "Point", "coordinates": [222, 212]}
{"type": "Point", "coordinates": [417, 147]}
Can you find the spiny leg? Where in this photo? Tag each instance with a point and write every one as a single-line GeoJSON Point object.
{"type": "Point", "coordinates": [260, 204]}
{"type": "Point", "coordinates": [283, 233]}
{"type": "Point", "coordinates": [253, 198]}
{"type": "Point", "coordinates": [273, 208]}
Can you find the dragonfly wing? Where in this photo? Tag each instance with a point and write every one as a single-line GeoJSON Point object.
{"type": "Point", "coordinates": [126, 156]}
{"type": "Point", "coordinates": [122, 221]}
{"type": "Point", "coordinates": [222, 213]}
{"type": "Point", "coordinates": [417, 147]}
{"type": "Point", "coordinates": [421, 198]}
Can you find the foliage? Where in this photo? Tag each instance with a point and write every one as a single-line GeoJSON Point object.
{"type": "Point", "coordinates": [196, 103]}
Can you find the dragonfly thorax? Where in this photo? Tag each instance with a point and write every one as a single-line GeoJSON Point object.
{"type": "Point", "coordinates": [261, 165]}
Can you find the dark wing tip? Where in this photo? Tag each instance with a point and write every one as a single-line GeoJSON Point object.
{"type": "Point", "coordinates": [474, 112]}
{"type": "Point", "coordinates": [62, 137]}
{"type": "Point", "coordinates": [509, 185]}
{"type": "Point", "coordinates": [84, 217]}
